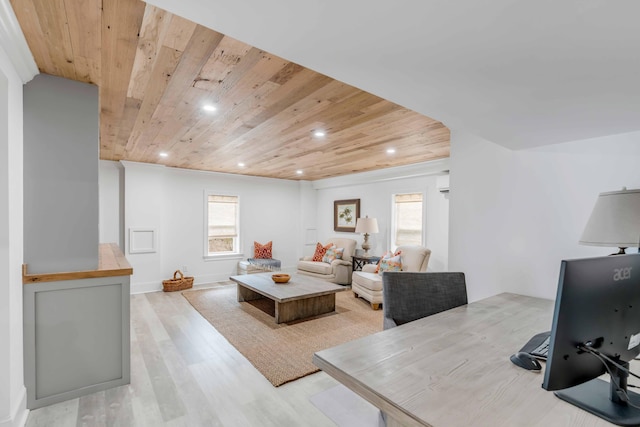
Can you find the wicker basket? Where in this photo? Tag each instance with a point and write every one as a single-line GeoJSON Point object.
{"type": "Point", "coordinates": [177, 284]}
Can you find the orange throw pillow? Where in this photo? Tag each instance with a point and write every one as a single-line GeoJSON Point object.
{"type": "Point", "coordinates": [262, 251]}
{"type": "Point", "coordinates": [387, 254]}
{"type": "Point", "coordinates": [320, 251]}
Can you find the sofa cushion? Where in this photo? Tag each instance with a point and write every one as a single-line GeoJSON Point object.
{"type": "Point", "coordinates": [245, 267]}
{"type": "Point", "coordinates": [371, 281]}
{"type": "Point", "coordinates": [332, 254]}
{"type": "Point", "coordinates": [320, 251]}
{"type": "Point", "coordinates": [262, 251]}
{"type": "Point", "coordinates": [390, 263]}
{"type": "Point", "coordinates": [317, 267]}
{"type": "Point", "coordinates": [349, 246]}
{"type": "Point", "coordinates": [413, 258]}
{"type": "Point", "coordinates": [387, 254]}
{"type": "Point", "coordinates": [268, 263]}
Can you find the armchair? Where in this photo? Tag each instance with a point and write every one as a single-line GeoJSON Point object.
{"type": "Point", "coordinates": [367, 283]}
{"type": "Point", "coordinates": [339, 271]}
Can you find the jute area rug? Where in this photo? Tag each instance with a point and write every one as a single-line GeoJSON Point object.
{"type": "Point", "coordinates": [283, 352]}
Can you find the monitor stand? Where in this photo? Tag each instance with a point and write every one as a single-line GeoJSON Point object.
{"type": "Point", "coordinates": [602, 399]}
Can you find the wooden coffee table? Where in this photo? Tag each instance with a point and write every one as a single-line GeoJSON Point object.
{"type": "Point", "coordinates": [301, 297]}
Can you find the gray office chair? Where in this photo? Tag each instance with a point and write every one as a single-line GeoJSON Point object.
{"type": "Point", "coordinates": [408, 296]}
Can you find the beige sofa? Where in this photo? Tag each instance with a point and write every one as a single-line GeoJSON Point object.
{"type": "Point", "coordinates": [368, 284]}
{"type": "Point", "coordinates": [339, 271]}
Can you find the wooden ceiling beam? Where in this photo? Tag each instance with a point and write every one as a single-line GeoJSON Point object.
{"type": "Point", "coordinates": [156, 85]}
{"type": "Point", "coordinates": [85, 17]}
{"type": "Point", "coordinates": [121, 20]}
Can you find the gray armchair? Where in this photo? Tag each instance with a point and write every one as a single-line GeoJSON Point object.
{"type": "Point", "coordinates": [410, 296]}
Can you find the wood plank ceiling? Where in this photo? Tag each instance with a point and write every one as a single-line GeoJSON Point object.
{"type": "Point", "coordinates": [156, 71]}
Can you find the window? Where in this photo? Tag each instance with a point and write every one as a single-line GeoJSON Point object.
{"type": "Point", "coordinates": [222, 225]}
{"type": "Point", "coordinates": [407, 219]}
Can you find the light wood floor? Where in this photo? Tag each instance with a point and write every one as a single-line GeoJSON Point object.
{"type": "Point", "coordinates": [184, 373]}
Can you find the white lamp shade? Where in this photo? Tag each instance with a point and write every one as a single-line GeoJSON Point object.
{"type": "Point", "coordinates": [615, 220]}
{"type": "Point", "coordinates": [367, 225]}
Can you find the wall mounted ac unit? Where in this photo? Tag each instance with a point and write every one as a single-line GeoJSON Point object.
{"type": "Point", "coordinates": [442, 184]}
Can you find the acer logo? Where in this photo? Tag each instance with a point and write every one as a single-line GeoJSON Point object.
{"type": "Point", "coordinates": [621, 273]}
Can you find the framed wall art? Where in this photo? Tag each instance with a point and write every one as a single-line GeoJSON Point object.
{"type": "Point", "coordinates": [345, 214]}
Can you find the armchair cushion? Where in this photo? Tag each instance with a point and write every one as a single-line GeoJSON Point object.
{"type": "Point", "coordinates": [371, 281]}
{"type": "Point", "coordinates": [370, 268]}
{"type": "Point", "coordinates": [332, 254]}
{"type": "Point", "coordinates": [317, 267]}
{"type": "Point", "coordinates": [320, 251]}
{"type": "Point", "coordinates": [349, 246]}
{"type": "Point", "coordinates": [262, 251]}
{"type": "Point", "coordinates": [387, 254]}
{"type": "Point", "coordinates": [390, 263]}
{"type": "Point", "coordinates": [414, 258]}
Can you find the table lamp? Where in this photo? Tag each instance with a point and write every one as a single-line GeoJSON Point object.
{"type": "Point", "coordinates": [615, 221]}
{"type": "Point", "coordinates": [366, 225]}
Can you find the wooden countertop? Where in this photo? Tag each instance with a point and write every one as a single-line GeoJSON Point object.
{"type": "Point", "coordinates": [111, 262]}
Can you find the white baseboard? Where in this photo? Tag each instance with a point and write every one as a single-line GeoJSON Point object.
{"type": "Point", "coordinates": [18, 417]}
{"type": "Point", "coordinates": [143, 288]}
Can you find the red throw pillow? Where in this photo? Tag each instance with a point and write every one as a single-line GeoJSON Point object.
{"type": "Point", "coordinates": [262, 251]}
{"type": "Point", "coordinates": [320, 251]}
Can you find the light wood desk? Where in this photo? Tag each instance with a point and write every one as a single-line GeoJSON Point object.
{"type": "Point", "coordinates": [453, 368]}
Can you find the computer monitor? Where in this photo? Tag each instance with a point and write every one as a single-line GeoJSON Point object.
{"type": "Point", "coordinates": [596, 326]}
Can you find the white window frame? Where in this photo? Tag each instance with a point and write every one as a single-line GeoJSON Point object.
{"type": "Point", "coordinates": [393, 228]}
{"type": "Point", "coordinates": [237, 250]}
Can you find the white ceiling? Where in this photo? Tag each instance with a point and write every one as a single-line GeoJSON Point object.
{"type": "Point", "coordinates": [518, 73]}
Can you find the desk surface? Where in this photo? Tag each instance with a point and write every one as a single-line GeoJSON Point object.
{"type": "Point", "coordinates": [453, 368]}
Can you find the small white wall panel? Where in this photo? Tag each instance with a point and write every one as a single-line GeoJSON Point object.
{"type": "Point", "coordinates": [142, 240]}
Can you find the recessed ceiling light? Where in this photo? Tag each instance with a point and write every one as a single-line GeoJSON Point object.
{"type": "Point", "coordinates": [319, 134]}
{"type": "Point", "coordinates": [209, 107]}
{"type": "Point", "coordinates": [241, 164]}
{"type": "Point", "coordinates": [299, 172]}
{"type": "Point", "coordinates": [391, 150]}
{"type": "Point", "coordinates": [163, 154]}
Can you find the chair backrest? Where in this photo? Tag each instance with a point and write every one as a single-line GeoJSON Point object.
{"type": "Point", "coordinates": [408, 296]}
{"type": "Point", "coordinates": [349, 246]}
{"type": "Point", "coordinates": [414, 258]}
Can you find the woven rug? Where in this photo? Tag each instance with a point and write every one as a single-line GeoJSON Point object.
{"type": "Point", "coordinates": [283, 352]}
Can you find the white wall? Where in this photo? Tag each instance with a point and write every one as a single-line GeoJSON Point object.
{"type": "Point", "coordinates": [376, 201]}
{"type": "Point", "coordinates": [516, 214]}
{"type": "Point", "coordinates": [12, 391]}
{"type": "Point", "coordinates": [308, 220]}
{"type": "Point", "coordinates": [111, 193]}
{"type": "Point", "coordinates": [479, 191]}
{"type": "Point", "coordinates": [172, 201]}
{"type": "Point", "coordinates": [513, 215]}
{"type": "Point", "coordinates": [287, 212]}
